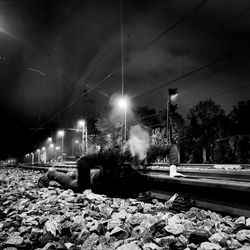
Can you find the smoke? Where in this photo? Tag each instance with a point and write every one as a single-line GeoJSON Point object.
{"type": "Point", "coordinates": [138, 142]}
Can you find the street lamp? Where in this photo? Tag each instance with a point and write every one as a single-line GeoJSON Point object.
{"type": "Point", "coordinates": [49, 140]}
{"type": "Point", "coordinates": [123, 104]}
{"type": "Point", "coordinates": [75, 142]}
{"type": "Point", "coordinates": [61, 134]}
{"type": "Point", "coordinates": [43, 155]}
{"type": "Point", "coordinates": [38, 156]}
{"type": "Point", "coordinates": [82, 124]}
{"type": "Point", "coordinates": [172, 96]}
{"type": "Point", "coordinates": [57, 148]}
{"type": "Point", "coordinates": [51, 147]}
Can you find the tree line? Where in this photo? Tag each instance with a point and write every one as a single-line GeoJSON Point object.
{"type": "Point", "coordinates": [208, 135]}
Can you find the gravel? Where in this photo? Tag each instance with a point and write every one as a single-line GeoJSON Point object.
{"type": "Point", "coordinates": [53, 218]}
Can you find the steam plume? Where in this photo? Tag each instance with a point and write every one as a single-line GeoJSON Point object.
{"type": "Point", "coordinates": [138, 142]}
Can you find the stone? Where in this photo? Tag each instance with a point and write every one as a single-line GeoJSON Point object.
{"type": "Point", "coordinates": [175, 229]}
{"type": "Point", "coordinates": [129, 246]}
{"type": "Point", "coordinates": [240, 221]}
{"type": "Point", "coordinates": [150, 246]}
{"type": "Point", "coordinates": [165, 241]}
{"type": "Point", "coordinates": [51, 226]}
{"type": "Point", "coordinates": [199, 236]}
{"type": "Point", "coordinates": [14, 240]}
{"type": "Point", "coordinates": [90, 241]}
{"type": "Point", "coordinates": [113, 223]}
{"type": "Point", "coordinates": [244, 248]}
{"type": "Point", "coordinates": [137, 231]}
{"type": "Point", "coordinates": [233, 244]}
{"type": "Point", "coordinates": [219, 238]}
{"type": "Point", "coordinates": [119, 233]}
{"type": "Point", "coordinates": [243, 235]}
{"type": "Point", "coordinates": [209, 246]}
{"type": "Point", "coordinates": [248, 222]}
{"type": "Point", "coordinates": [122, 215]}
{"type": "Point", "coordinates": [136, 219]}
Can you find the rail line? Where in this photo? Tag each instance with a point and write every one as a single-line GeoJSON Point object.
{"type": "Point", "coordinates": [223, 189]}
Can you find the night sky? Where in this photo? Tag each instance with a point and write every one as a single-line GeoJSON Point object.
{"type": "Point", "coordinates": [61, 60]}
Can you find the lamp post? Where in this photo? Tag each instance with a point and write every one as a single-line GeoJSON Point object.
{"type": "Point", "coordinates": [172, 95]}
{"type": "Point", "coordinates": [123, 103]}
{"type": "Point", "coordinates": [61, 134]}
{"type": "Point", "coordinates": [73, 146]}
{"type": "Point", "coordinates": [51, 148]}
{"type": "Point", "coordinates": [49, 140]}
{"type": "Point", "coordinates": [38, 156]}
{"type": "Point", "coordinates": [83, 126]}
{"type": "Point", "coordinates": [57, 149]}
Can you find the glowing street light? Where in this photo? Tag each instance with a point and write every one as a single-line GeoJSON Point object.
{"type": "Point", "coordinates": [123, 104]}
{"type": "Point", "coordinates": [49, 140]}
{"type": "Point", "coordinates": [73, 146]}
{"type": "Point", "coordinates": [38, 156]}
{"type": "Point", "coordinates": [57, 148]}
{"type": "Point", "coordinates": [61, 134]}
{"type": "Point", "coordinates": [51, 148]}
{"type": "Point", "coordinates": [172, 96]}
{"type": "Point", "coordinates": [82, 124]}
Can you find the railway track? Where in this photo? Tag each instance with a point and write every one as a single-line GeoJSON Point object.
{"type": "Point", "coordinates": [222, 190]}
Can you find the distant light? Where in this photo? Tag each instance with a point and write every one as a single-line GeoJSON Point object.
{"type": "Point", "coordinates": [122, 102]}
{"type": "Point", "coordinates": [43, 148]}
{"type": "Point", "coordinates": [60, 133]}
{"type": "Point", "coordinates": [51, 145]}
{"type": "Point", "coordinates": [57, 148]}
{"type": "Point", "coordinates": [81, 123]}
{"type": "Point", "coordinates": [173, 97]}
{"type": "Point", "coordinates": [76, 141]}
{"type": "Point", "coordinates": [49, 139]}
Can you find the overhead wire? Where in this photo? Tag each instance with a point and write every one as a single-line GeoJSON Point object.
{"type": "Point", "coordinates": [199, 42]}
{"type": "Point", "coordinates": [150, 44]}
{"type": "Point", "coordinates": [191, 72]}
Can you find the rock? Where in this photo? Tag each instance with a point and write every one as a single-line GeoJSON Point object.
{"type": "Point", "coordinates": [201, 215]}
{"type": "Point", "coordinates": [36, 233]}
{"type": "Point", "coordinates": [244, 248]}
{"type": "Point", "coordinates": [1, 226]}
{"type": "Point", "coordinates": [182, 241]}
{"type": "Point", "coordinates": [240, 221]}
{"type": "Point", "coordinates": [219, 238]}
{"type": "Point", "coordinates": [233, 244]}
{"type": "Point", "coordinates": [10, 248]}
{"type": "Point", "coordinates": [243, 235]}
{"type": "Point", "coordinates": [90, 241]}
{"type": "Point", "coordinates": [150, 246]}
{"type": "Point", "coordinates": [209, 246]}
{"type": "Point", "coordinates": [136, 219]}
{"type": "Point", "coordinates": [119, 233]}
{"type": "Point", "coordinates": [46, 238]}
{"type": "Point", "coordinates": [129, 246]}
{"type": "Point", "coordinates": [199, 236]}
{"type": "Point", "coordinates": [147, 207]}
{"type": "Point", "coordinates": [14, 240]}
{"type": "Point", "coordinates": [137, 231]}
{"type": "Point", "coordinates": [122, 215]}
{"type": "Point", "coordinates": [113, 223]}
{"type": "Point", "coordinates": [248, 222]}
{"type": "Point", "coordinates": [165, 241]}
{"type": "Point", "coordinates": [175, 229]}
{"type": "Point", "coordinates": [193, 211]}
{"type": "Point", "coordinates": [215, 217]}
{"type": "Point", "coordinates": [51, 226]}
